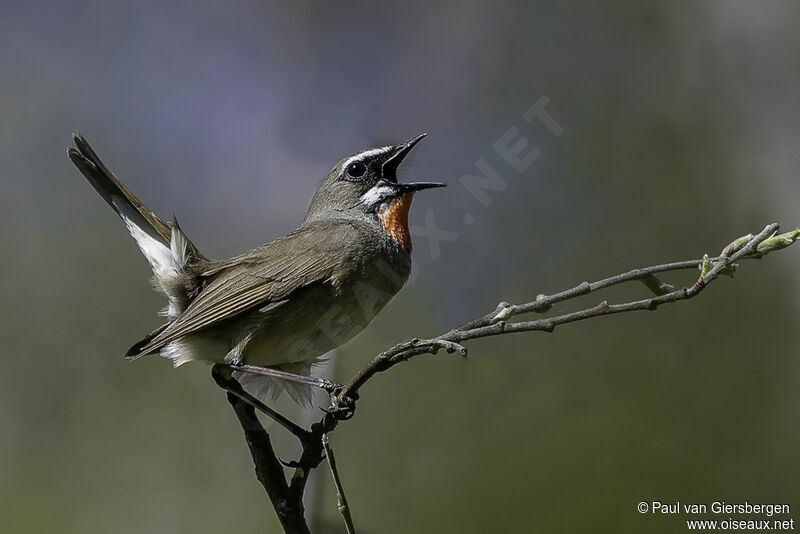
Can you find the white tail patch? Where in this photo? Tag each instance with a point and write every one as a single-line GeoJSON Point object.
{"type": "Point", "coordinates": [168, 264]}
{"type": "Point", "coordinates": [157, 254]}
{"type": "Point", "coordinates": [178, 246]}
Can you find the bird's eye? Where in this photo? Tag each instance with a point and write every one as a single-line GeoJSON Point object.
{"type": "Point", "coordinates": [356, 169]}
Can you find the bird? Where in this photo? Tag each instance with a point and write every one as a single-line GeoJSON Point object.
{"type": "Point", "coordinates": [285, 304]}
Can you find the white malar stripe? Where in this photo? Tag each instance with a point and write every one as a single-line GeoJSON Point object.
{"type": "Point", "coordinates": [377, 194]}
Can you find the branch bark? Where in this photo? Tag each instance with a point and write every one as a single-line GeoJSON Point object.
{"type": "Point", "coordinates": [269, 470]}
{"type": "Point", "coordinates": [286, 497]}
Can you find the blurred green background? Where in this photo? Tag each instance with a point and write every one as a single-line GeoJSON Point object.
{"type": "Point", "coordinates": [680, 132]}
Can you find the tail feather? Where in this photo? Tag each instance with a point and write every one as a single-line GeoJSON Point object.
{"type": "Point", "coordinates": [138, 218]}
{"type": "Point", "coordinates": [165, 246]}
{"type": "Point", "coordinates": [115, 193]}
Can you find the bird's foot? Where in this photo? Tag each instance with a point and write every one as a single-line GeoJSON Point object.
{"type": "Point", "coordinates": [342, 407]}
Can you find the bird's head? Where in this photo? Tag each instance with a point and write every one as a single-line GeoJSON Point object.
{"type": "Point", "coordinates": [365, 184]}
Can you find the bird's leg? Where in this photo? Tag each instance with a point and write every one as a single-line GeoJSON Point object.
{"type": "Point", "coordinates": [321, 383]}
{"type": "Point", "coordinates": [222, 376]}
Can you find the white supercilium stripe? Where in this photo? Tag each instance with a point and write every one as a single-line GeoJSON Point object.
{"type": "Point", "coordinates": [365, 154]}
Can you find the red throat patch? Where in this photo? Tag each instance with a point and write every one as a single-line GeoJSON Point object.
{"type": "Point", "coordinates": [394, 220]}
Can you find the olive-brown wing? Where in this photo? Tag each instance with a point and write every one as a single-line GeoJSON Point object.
{"type": "Point", "coordinates": [264, 276]}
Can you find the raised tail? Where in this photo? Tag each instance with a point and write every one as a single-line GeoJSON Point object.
{"type": "Point", "coordinates": [116, 194]}
{"type": "Point", "coordinates": [167, 249]}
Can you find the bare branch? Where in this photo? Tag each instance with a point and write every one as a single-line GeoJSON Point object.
{"type": "Point", "coordinates": [497, 322]}
{"type": "Point", "coordinates": [269, 470]}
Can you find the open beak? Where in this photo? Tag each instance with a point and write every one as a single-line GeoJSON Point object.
{"type": "Point", "coordinates": [402, 188]}
{"type": "Point", "coordinates": [389, 168]}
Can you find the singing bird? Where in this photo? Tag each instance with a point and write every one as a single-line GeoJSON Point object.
{"type": "Point", "coordinates": [284, 304]}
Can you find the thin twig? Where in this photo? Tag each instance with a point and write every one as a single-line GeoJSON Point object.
{"type": "Point", "coordinates": [341, 500]}
{"type": "Point", "coordinates": [496, 323]}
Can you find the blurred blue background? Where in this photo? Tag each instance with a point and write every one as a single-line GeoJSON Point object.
{"type": "Point", "coordinates": [679, 128]}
